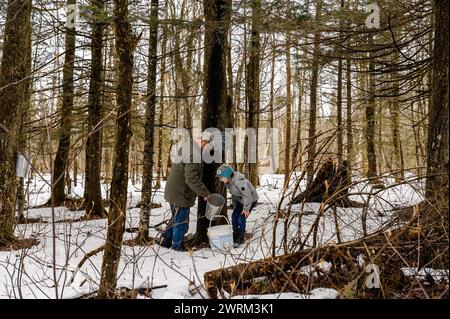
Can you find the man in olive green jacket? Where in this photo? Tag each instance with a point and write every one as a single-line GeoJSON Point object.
{"type": "Point", "coordinates": [182, 188]}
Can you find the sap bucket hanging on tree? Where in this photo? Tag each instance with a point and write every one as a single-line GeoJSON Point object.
{"type": "Point", "coordinates": [214, 205]}
{"type": "Point", "coordinates": [22, 165]}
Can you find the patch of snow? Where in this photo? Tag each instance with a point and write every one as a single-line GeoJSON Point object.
{"type": "Point", "coordinates": [154, 265]}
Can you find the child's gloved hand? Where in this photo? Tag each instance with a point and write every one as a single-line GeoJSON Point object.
{"type": "Point", "coordinates": [245, 213]}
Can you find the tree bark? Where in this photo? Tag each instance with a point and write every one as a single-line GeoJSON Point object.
{"type": "Point", "coordinates": [13, 91]}
{"type": "Point", "coordinates": [340, 147]}
{"type": "Point", "coordinates": [159, 171]}
{"type": "Point", "coordinates": [253, 91]}
{"type": "Point", "coordinates": [125, 45]}
{"type": "Point", "coordinates": [144, 221]}
{"type": "Point", "coordinates": [217, 15]}
{"type": "Point", "coordinates": [23, 136]}
{"type": "Point", "coordinates": [313, 100]}
{"type": "Point", "coordinates": [340, 150]}
{"type": "Point", "coordinates": [62, 154]}
{"type": "Point", "coordinates": [287, 152]}
{"type": "Point", "coordinates": [437, 145]}
{"type": "Point", "coordinates": [395, 126]}
{"type": "Point", "coordinates": [236, 115]}
{"type": "Point", "coordinates": [93, 195]}
{"type": "Point", "coordinates": [297, 155]}
{"type": "Point", "coordinates": [271, 113]}
{"type": "Point", "coordinates": [349, 115]}
{"type": "Point", "coordinates": [370, 120]}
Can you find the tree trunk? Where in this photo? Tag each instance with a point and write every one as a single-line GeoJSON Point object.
{"type": "Point", "coordinates": [217, 15]}
{"type": "Point", "coordinates": [161, 108]}
{"type": "Point", "coordinates": [313, 100]}
{"type": "Point", "coordinates": [13, 92]}
{"type": "Point", "coordinates": [62, 154]}
{"type": "Point", "coordinates": [395, 126]}
{"type": "Point", "coordinates": [75, 170]}
{"type": "Point", "coordinates": [287, 152]}
{"type": "Point", "coordinates": [144, 221]}
{"type": "Point", "coordinates": [349, 115]}
{"type": "Point", "coordinates": [271, 115]}
{"type": "Point", "coordinates": [236, 115]}
{"type": "Point", "coordinates": [93, 195]}
{"type": "Point", "coordinates": [253, 91]}
{"type": "Point", "coordinates": [230, 81]}
{"type": "Point", "coordinates": [23, 136]}
{"type": "Point", "coordinates": [340, 147]}
{"type": "Point", "coordinates": [125, 45]}
{"type": "Point", "coordinates": [231, 123]}
{"type": "Point", "coordinates": [379, 144]}
{"type": "Point", "coordinates": [437, 145]}
{"type": "Point", "coordinates": [340, 150]}
{"type": "Point", "coordinates": [370, 120]}
{"type": "Point", "coordinates": [297, 157]}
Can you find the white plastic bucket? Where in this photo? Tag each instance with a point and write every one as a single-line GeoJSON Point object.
{"type": "Point", "coordinates": [214, 205]}
{"type": "Point", "coordinates": [221, 236]}
{"type": "Point", "coordinates": [22, 165]}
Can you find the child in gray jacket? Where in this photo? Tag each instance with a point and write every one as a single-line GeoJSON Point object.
{"type": "Point", "coordinates": [243, 196]}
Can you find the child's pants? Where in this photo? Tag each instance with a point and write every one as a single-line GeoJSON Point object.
{"type": "Point", "coordinates": [237, 219]}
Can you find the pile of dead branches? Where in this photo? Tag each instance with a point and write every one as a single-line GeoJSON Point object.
{"type": "Point", "coordinates": [370, 267]}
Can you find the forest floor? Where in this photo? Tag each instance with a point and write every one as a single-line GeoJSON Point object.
{"type": "Point", "coordinates": [32, 272]}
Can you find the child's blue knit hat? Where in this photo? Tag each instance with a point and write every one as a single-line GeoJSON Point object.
{"type": "Point", "coordinates": [225, 171]}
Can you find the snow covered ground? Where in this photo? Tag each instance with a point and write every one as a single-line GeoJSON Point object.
{"type": "Point", "coordinates": [30, 273]}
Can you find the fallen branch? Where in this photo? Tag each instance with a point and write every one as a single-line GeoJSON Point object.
{"type": "Point", "coordinates": [82, 261]}
{"type": "Point", "coordinates": [125, 292]}
{"type": "Point", "coordinates": [374, 249]}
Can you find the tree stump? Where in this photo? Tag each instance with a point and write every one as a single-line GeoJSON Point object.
{"type": "Point", "coordinates": [331, 182]}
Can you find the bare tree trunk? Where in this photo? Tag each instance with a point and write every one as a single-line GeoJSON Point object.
{"type": "Point", "coordinates": [370, 120]}
{"type": "Point", "coordinates": [230, 82]}
{"type": "Point", "coordinates": [313, 100]}
{"type": "Point", "coordinates": [13, 91]}
{"type": "Point", "coordinates": [75, 170]}
{"type": "Point", "coordinates": [236, 116]}
{"type": "Point", "coordinates": [144, 221]}
{"type": "Point", "coordinates": [243, 167]}
{"type": "Point", "coordinates": [340, 151]}
{"type": "Point", "coordinates": [217, 21]}
{"type": "Point", "coordinates": [133, 164]}
{"type": "Point", "coordinates": [422, 134]}
{"type": "Point", "coordinates": [271, 115]}
{"type": "Point", "coordinates": [183, 69]}
{"type": "Point", "coordinates": [62, 155]}
{"type": "Point", "coordinates": [232, 110]}
{"type": "Point", "coordinates": [125, 45]}
{"type": "Point", "coordinates": [253, 90]}
{"type": "Point", "coordinates": [395, 126]}
{"type": "Point", "coordinates": [349, 115]}
{"type": "Point", "coordinates": [300, 80]}
{"type": "Point", "coordinates": [379, 144]}
{"type": "Point", "coordinates": [437, 146]}
{"type": "Point", "coordinates": [340, 128]}
{"type": "Point", "coordinates": [93, 194]}
{"type": "Point", "coordinates": [287, 152]}
{"type": "Point", "coordinates": [22, 133]}
{"type": "Point", "coordinates": [161, 107]}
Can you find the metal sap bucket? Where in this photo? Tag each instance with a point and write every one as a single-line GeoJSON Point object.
{"type": "Point", "coordinates": [214, 205]}
{"type": "Point", "coordinates": [22, 165]}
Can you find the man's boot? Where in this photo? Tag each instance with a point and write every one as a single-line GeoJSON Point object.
{"type": "Point", "coordinates": [235, 236]}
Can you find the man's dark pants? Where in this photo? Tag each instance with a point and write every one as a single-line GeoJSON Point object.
{"type": "Point", "coordinates": [174, 234]}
